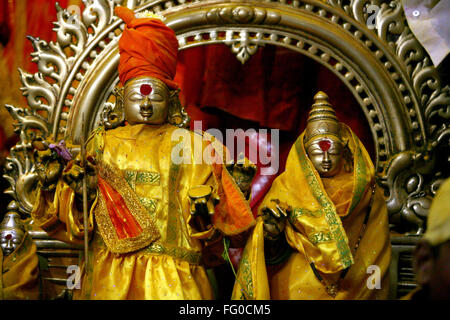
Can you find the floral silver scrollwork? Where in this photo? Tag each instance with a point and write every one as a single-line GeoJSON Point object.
{"type": "Point", "coordinates": [48, 88]}
{"type": "Point", "coordinates": [19, 168]}
{"type": "Point", "coordinates": [98, 15]}
{"type": "Point", "coordinates": [70, 32]}
{"type": "Point", "coordinates": [50, 60]}
{"type": "Point", "coordinates": [409, 190]}
{"type": "Point", "coordinates": [40, 94]}
{"type": "Point", "coordinates": [429, 97]}
{"type": "Point", "coordinates": [113, 115]}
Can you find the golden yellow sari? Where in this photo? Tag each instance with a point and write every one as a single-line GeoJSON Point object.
{"type": "Point", "coordinates": [166, 263]}
{"type": "Point", "coordinates": [323, 229]}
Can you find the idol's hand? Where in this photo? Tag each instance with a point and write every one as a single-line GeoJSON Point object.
{"type": "Point", "coordinates": [202, 202]}
{"type": "Point", "coordinates": [48, 164]}
{"type": "Point", "coordinates": [73, 175]}
{"type": "Point", "coordinates": [243, 172]}
{"type": "Point", "coordinates": [274, 217]}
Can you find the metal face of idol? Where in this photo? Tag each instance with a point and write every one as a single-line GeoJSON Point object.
{"type": "Point", "coordinates": [146, 100]}
{"type": "Point", "coordinates": [10, 240]}
{"type": "Point", "coordinates": [326, 155]}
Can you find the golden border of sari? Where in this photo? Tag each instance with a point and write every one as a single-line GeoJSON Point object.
{"type": "Point", "coordinates": [331, 216]}
{"type": "Point", "coordinates": [149, 232]}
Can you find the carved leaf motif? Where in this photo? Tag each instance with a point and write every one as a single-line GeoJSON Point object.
{"type": "Point", "coordinates": [97, 15]}
{"type": "Point", "coordinates": [70, 31]}
{"type": "Point", "coordinates": [242, 47]}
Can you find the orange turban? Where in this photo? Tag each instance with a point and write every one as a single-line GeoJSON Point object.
{"type": "Point", "coordinates": [147, 48]}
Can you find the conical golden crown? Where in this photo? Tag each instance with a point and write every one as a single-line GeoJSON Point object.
{"type": "Point", "coordinates": [322, 119]}
{"type": "Point", "coordinates": [12, 221]}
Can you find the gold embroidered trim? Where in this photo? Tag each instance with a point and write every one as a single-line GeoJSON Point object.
{"type": "Point", "coordinates": [149, 232]}
{"type": "Point", "coordinates": [298, 212]}
{"type": "Point", "coordinates": [135, 178]}
{"type": "Point", "coordinates": [192, 257]}
{"type": "Point", "coordinates": [152, 178]}
{"type": "Point", "coordinates": [331, 216]}
{"type": "Point", "coordinates": [320, 237]}
{"type": "Point", "coordinates": [149, 204]}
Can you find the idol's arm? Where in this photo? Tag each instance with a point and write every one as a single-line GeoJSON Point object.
{"type": "Point", "coordinates": [58, 209]}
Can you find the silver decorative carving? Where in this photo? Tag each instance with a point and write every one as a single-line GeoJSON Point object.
{"type": "Point", "coordinates": [407, 202]}
{"type": "Point", "coordinates": [427, 102]}
{"type": "Point", "coordinates": [241, 15]}
{"type": "Point", "coordinates": [243, 48]}
{"type": "Point", "coordinates": [113, 115]}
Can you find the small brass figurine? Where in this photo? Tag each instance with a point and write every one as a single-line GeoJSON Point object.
{"type": "Point", "coordinates": [243, 172]}
{"type": "Point", "coordinates": [12, 232]}
{"type": "Point", "coordinates": [202, 201]}
{"type": "Point", "coordinates": [49, 164]}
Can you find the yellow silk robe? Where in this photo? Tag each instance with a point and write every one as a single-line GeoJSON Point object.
{"type": "Point", "coordinates": [170, 267]}
{"type": "Point", "coordinates": [323, 228]}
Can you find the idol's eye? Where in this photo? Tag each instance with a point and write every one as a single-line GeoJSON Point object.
{"type": "Point", "coordinates": [135, 97]}
{"type": "Point", "coordinates": [316, 152]}
{"type": "Point", "coordinates": [335, 151]}
{"type": "Point", "coordinates": [157, 97]}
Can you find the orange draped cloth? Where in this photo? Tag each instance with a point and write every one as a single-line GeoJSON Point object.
{"type": "Point", "coordinates": [147, 48]}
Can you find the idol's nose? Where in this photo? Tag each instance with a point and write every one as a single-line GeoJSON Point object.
{"type": "Point", "coordinates": [146, 104]}
{"type": "Point", "coordinates": [146, 108]}
{"type": "Point", "coordinates": [9, 244]}
{"type": "Point", "coordinates": [326, 157]}
{"type": "Point", "coordinates": [326, 161]}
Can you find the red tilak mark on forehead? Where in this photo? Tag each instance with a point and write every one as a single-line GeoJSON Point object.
{"type": "Point", "coordinates": [324, 145]}
{"type": "Point", "coordinates": [8, 236]}
{"type": "Point", "coordinates": [146, 89]}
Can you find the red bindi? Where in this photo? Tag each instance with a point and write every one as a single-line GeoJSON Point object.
{"type": "Point", "coordinates": [325, 145]}
{"type": "Point", "coordinates": [146, 89]}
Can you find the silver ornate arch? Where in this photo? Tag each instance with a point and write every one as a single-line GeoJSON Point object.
{"type": "Point", "coordinates": [386, 69]}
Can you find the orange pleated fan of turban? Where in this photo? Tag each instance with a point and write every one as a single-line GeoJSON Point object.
{"type": "Point", "coordinates": [147, 48]}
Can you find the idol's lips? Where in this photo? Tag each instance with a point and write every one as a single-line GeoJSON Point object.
{"type": "Point", "coordinates": [146, 114]}
{"type": "Point", "coordinates": [7, 251]}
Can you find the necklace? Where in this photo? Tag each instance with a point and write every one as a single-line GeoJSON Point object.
{"type": "Point", "coordinates": [333, 288]}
